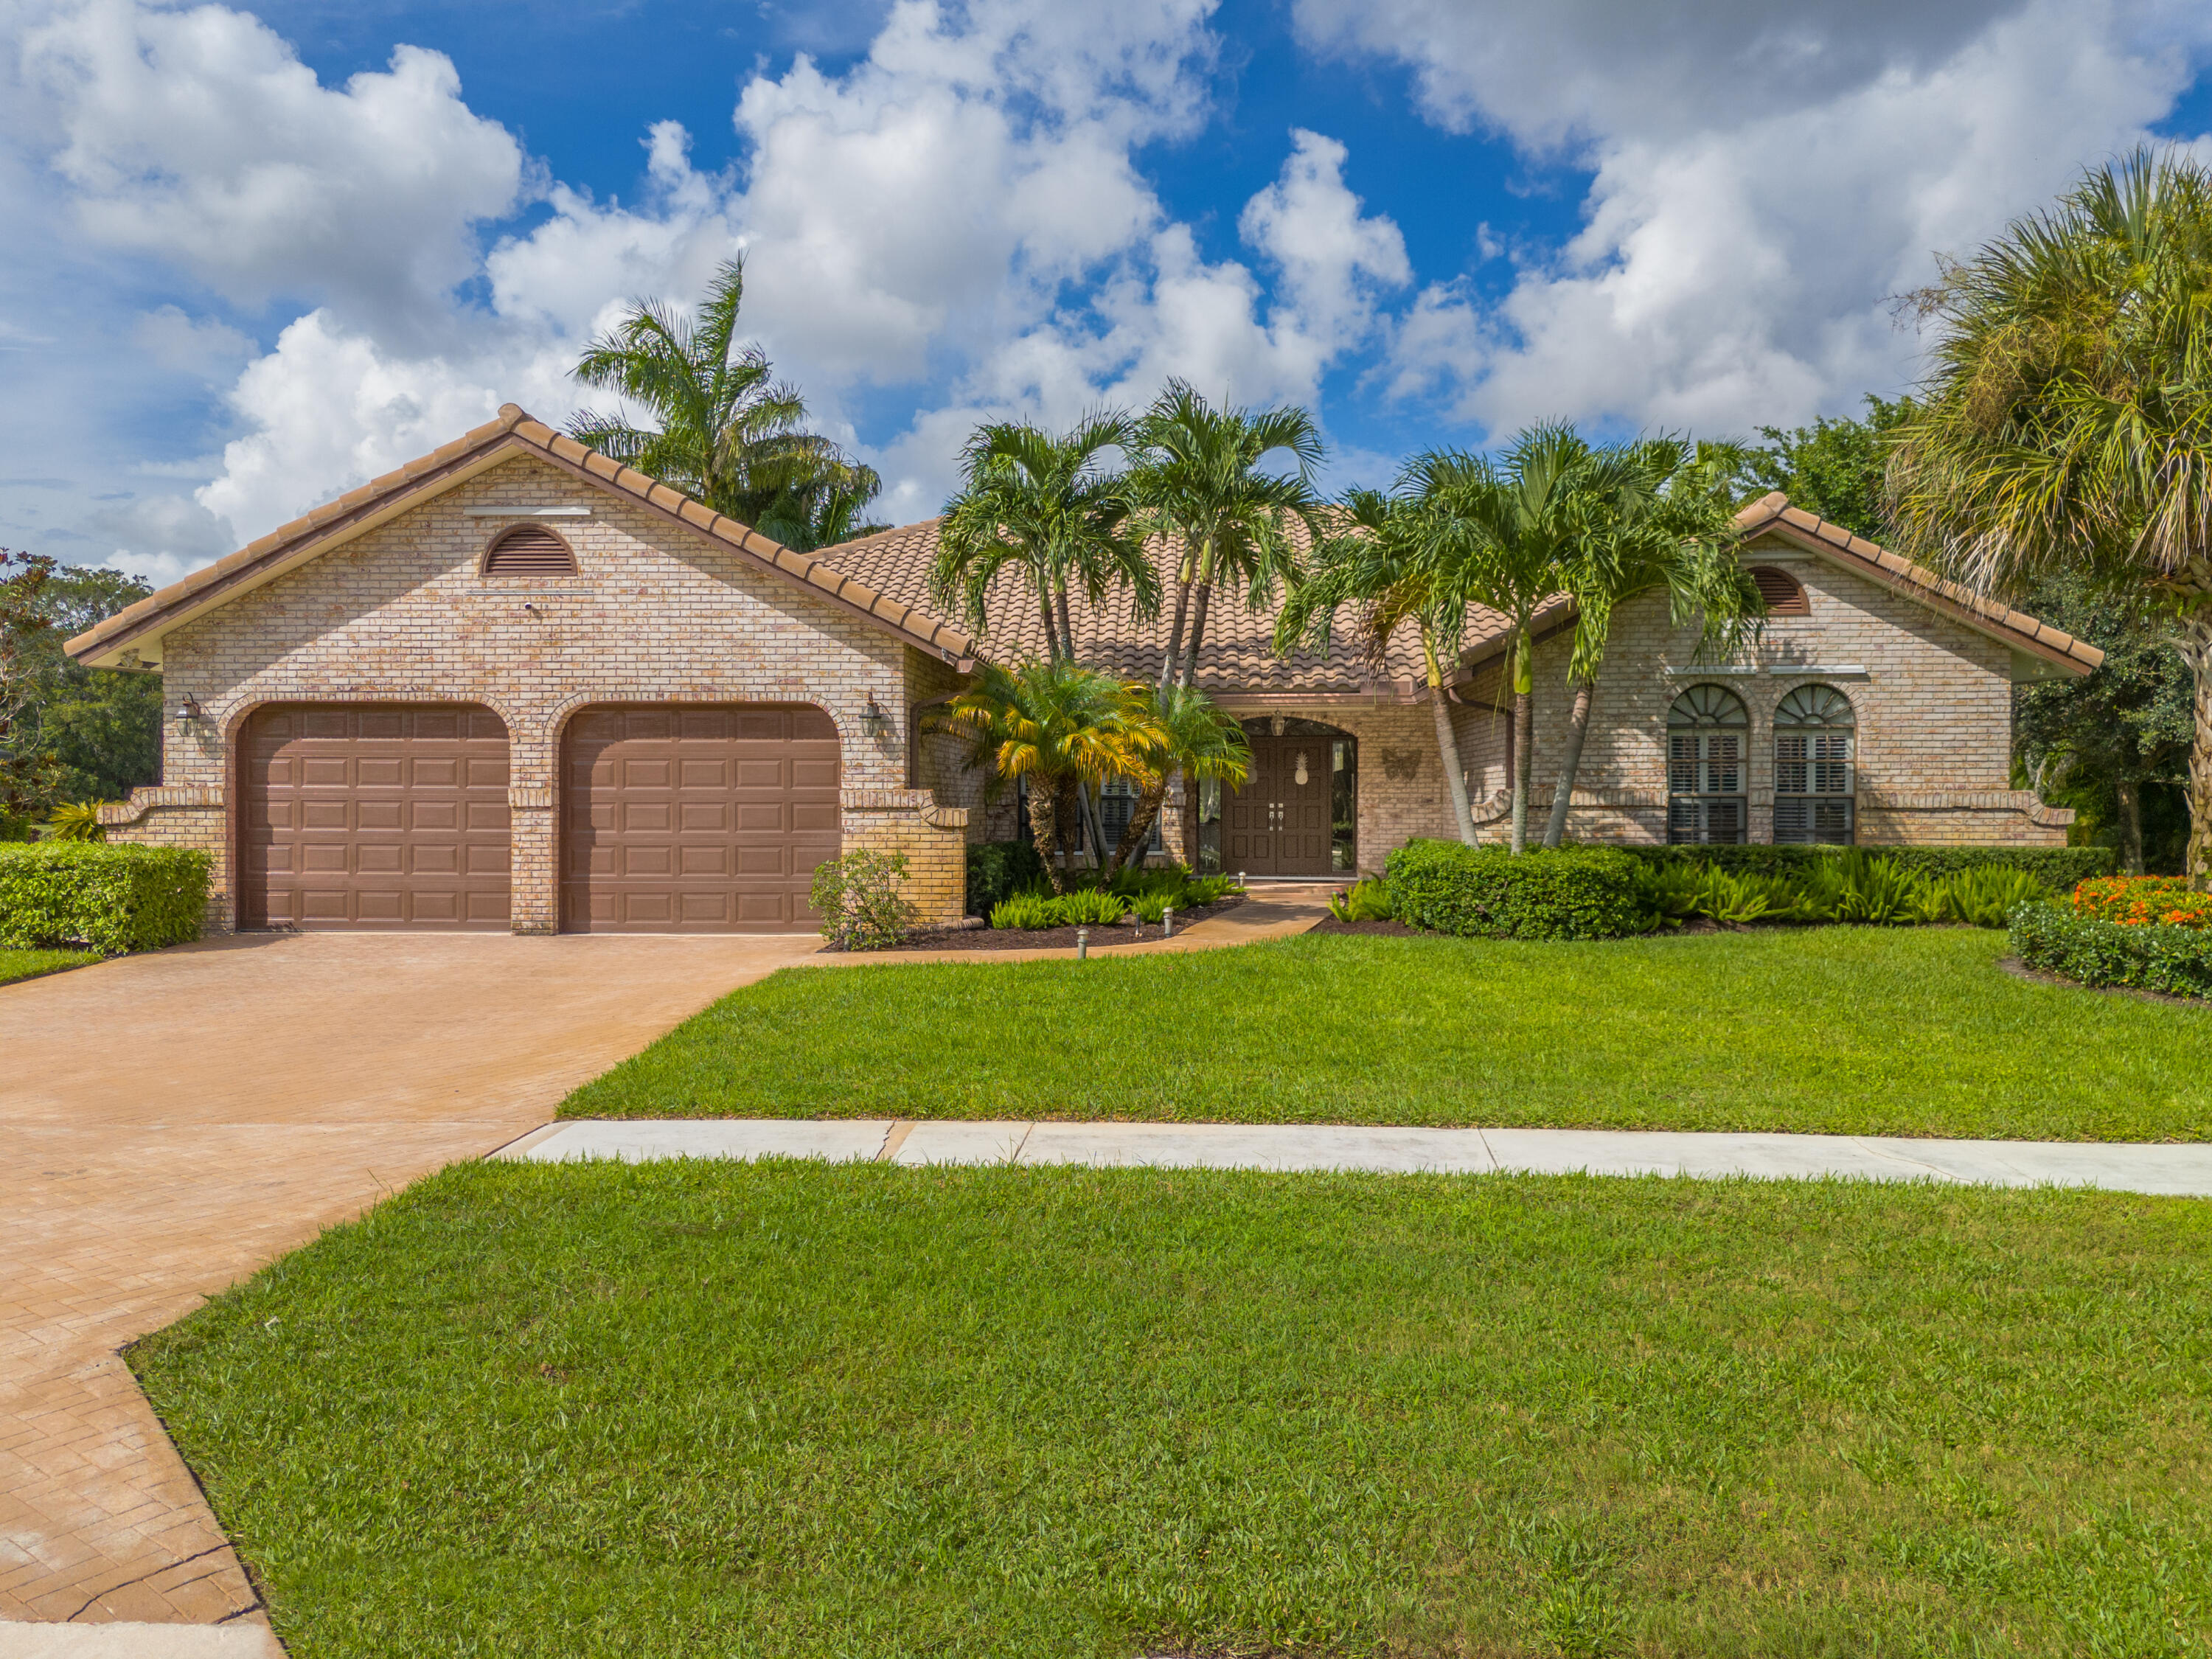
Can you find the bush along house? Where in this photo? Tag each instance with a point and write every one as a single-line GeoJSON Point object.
{"type": "Point", "coordinates": [516, 685]}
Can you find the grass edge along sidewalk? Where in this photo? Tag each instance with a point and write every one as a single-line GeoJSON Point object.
{"type": "Point", "coordinates": [793, 1408]}
{"type": "Point", "coordinates": [1829, 1030]}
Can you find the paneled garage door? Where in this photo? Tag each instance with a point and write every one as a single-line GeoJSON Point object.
{"type": "Point", "coordinates": [375, 815]}
{"type": "Point", "coordinates": [696, 818]}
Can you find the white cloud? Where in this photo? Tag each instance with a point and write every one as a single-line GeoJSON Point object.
{"type": "Point", "coordinates": [1744, 231]}
{"type": "Point", "coordinates": [160, 537]}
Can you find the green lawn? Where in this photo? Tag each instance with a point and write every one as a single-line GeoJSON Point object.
{"type": "Point", "coordinates": [1859, 1030]}
{"type": "Point", "coordinates": [730, 1410]}
{"type": "Point", "coordinates": [29, 964]}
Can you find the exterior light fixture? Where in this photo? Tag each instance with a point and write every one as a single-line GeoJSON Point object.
{"type": "Point", "coordinates": [185, 708]}
{"type": "Point", "coordinates": [874, 722]}
{"type": "Point", "coordinates": [1275, 725]}
{"type": "Point", "coordinates": [1083, 945]}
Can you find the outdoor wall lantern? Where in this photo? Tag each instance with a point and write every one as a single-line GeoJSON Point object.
{"type": "Point", "coordinates": [873, 722]}
{"type": "Point", "coordinates": [1275, 725]}
{"type": "Point", "coordinates": [187, 709]}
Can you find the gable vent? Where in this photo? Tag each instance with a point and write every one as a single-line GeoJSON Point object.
{"type": "Point", "coordinates": [529, 549]}
{"type": "Point", "coordinates": [1783, 593]}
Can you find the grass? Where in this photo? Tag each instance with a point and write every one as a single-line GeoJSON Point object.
{"type": "Point", "coordinates": [1844, 1031]}
{"type": "Point", "coordinates": [710, 1409]}
{"type": "Point", "coordinates": [29, 964]}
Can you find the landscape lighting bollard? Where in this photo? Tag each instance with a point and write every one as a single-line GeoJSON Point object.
{"type": "Point", "coordinates": [1083, 945]}
{"type": "Point", "coordinates": [1167, 922]}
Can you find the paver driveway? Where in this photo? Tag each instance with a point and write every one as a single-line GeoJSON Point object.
{"type": "Point", "coordinates": [170, 1122]}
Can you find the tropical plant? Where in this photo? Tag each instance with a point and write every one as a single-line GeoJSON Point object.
{"type": "Point", "coordinates": [1657, 515]}
{"type": "Point", "coordinates": [860, 898]}
{"type": "Point", "coordinates": [2066, 421]}
{"type": "Point", "coordinates": [1057, 725]}
{"type": "Point", "coordinates": [77, 820]}
{"type": "Point", "coordinates": [1186, 736]}
{"type": "Point", "coordinates": [1198, 477]}
{"type": "Point", "coordinates": [1366, 899]}
{"type": "Point", "coordinates": [1393, 560]}
{"type": "Point", "coordinates": [729, 433]}
{"type": "Point", "coordinates": [1091, 906]}
{"type": "Point", "coordinates": [28, 776]}
{"type": "Point", "coordinates": [1027, 911]}
{"type": "Point", "coordinates": [1048, 507]}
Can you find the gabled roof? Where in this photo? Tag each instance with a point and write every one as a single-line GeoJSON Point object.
{"type": "Point", "coordinates": [1773, 514]}
{"type": "Point", "coordinates": [141, 627]}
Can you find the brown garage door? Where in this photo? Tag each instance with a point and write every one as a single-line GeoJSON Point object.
{"type": "Point", "coordinates": [375, 815]}
{"type": "Point", "coordinates": [696, 819]}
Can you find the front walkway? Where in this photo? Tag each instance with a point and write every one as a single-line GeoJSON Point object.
{"type": "Point", "coordinates": [171, 1123]}
{"type": "Point", "coordinates": [2171, 1171]}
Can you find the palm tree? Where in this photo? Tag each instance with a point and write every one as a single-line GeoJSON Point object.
{"type": "Point", "coordinates": [1393, 559]}
{"type": "Point", "coordinates": [1058, 726]}
{"type": "Point", "coordinates": [1658, 514]}
{"type": "Point", "coordinates": [1183, 735]}
{"type": "Point", "coordinates": [2067, 416]}
{"type": "Point", "coordinates": [1046, 506]}
{"type": "Point", "coordinates": [1198, 477]}
{"type": "Point", "coordinates": [730, 433]}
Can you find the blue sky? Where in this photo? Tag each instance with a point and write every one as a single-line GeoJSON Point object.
{"type": "Point", "coordinates": [261, 255]}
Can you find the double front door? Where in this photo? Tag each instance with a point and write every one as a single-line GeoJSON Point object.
{"type": "Point", "coordinates": [1278, 824]}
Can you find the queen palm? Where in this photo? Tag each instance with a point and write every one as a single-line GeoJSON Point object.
{"type": "Point", "coordinates": [2066, 421]}
{"type": "Point", "coordinates": [729, 433]}
{"type": "Point", "coordinates": [1198, 477]}
{"type": "Point", "coordinates": [1657, 516]}
{"type": "Point", "coordinates": [1390, 560]}
{"type": "Point", "coordinates": [1179, 732]}
{"type": "Point", "coordinates": [1058, 726]}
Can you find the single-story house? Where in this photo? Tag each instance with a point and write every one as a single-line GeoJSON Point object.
{"type": "Point", "coordinates": [515, 685]}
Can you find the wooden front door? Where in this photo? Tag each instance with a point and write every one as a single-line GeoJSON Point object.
{"type": "Point", "coordinates": [1277, 825]}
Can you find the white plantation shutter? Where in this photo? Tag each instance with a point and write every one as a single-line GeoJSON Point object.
{"type": "Point", "coordinates": [1707, 728]}
{"type": "Point", "coordinates": [1814, 727]}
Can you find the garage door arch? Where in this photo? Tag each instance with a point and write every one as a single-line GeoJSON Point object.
{"type": "Point", "coordinates": [696, 818]}
{"type": "Point", "coordinates": [385, 816]}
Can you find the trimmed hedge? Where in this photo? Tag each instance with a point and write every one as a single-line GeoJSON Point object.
{"type": "Point", "coordinates": [1485, 892]}
{"type": "Point", "coordinates": [113, 898]}
{"type": "Point", "coordinates": [2175, 960]}
{"type": "Point", "coordinates": [2059, 868]}
{"type": "Point", "coordinates": [998, 869]}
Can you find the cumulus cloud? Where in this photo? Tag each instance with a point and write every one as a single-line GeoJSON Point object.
{"type": "Point", "coordinates": [1762, 184]}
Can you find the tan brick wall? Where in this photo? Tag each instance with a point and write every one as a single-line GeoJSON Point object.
{"type": "Point", "coordinates": [655, 614]}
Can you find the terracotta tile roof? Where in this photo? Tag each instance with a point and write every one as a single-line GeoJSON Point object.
{"type": "Point", "coordinates": [1773, 512]}
{"type": "Point", "coordinates": [513, 433]}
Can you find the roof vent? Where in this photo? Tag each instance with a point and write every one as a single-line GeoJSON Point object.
{"type": "Point", "coordinates": [529, 549]}
{"type": "Point", "coordinates": [1783, 593]}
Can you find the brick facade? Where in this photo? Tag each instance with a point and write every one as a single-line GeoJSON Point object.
{"type": "Point", "coordinates": [656, 613]}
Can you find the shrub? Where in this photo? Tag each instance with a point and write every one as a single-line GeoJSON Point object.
{"type": "Point", "coordinates": [77, 820]}
{"type": "Point", "coordinates": [862, 908]}
{"type": "Point", "coordinates": [1986, 896]}
{"type": "Point", "coordinates": [2143, 901]}
{"type": "Point", "coordinates": [2146, 956]}
{"type": "Point", "coordinates": [1154, 907]}
{"type": "Point", "coordinates": [1485, 892]}
{"type": "Point", "coordinates": [111, 898]}
{"type": "Point", "coordinates": [2057, 868]}
{"type": "Point", "coordinates": [1026, 910]}
{"type": "Point", "coordinates": [1206, 889]}
{"type": "Point", "coordinates": [1091, 909]}
{"type": "Point", "coordinates": [997, 868]}
{"type": "Point", "coordinates": [1364, 900]}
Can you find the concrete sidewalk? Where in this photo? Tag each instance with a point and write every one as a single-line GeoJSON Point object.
{"type": "Point", "coordinates": [2169, 1170]}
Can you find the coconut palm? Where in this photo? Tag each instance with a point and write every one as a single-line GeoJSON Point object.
{"type": "Point", "coordinates": [1182, 735]}
{"type": "Point", "coordinates": [1049, 507]}
{"type": "Point", "coordinates": [2066, 421]}
{"type": "Point", "coordinates": [1058, 726]}
{"type": "Point", "coordinates": [729, 433]}
{"type": "Point", "coordinates": [1198, 477]}
{"type": "Point", "coordinates": [1657, 515]}
{"type": "Point", "coordinates": [1391, 560]}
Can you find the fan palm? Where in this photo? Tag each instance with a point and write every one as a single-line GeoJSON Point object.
{"type": "Point", "coordinates": [1655, 515]}
{"type": "Point", "coordinates": [730, 432]}
{"type": "Point", "coordinates": [2067, 417]}
{"type": "Point", "coordinates": [1198, 477]}
{"type": "Point", "coordinates": [1391, 560]}
{"type": "Point", "coordinates": [1058, 726]}
{"type": "Point", "coordinates": [1180, 732]}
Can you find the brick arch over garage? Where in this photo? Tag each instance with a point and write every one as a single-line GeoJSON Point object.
{"type": "Point", "coordinates": [695, 816]}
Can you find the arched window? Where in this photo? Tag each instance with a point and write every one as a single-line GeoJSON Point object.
{"type": "Point", "coordinates": [1813, 727]}
{"type": "Point", "coordinates": [1707, 730]}
{"type": "Point", "coordinates": [1783, 593]}
{"type": "Point", "coordinates": [529, 549]}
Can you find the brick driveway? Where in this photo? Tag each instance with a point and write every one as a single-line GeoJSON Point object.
{"type": "Point", "coordinates": [170, 1122]}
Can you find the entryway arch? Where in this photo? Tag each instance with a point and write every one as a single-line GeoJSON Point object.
{"type": "Point", "coordinates": [1295, 814]}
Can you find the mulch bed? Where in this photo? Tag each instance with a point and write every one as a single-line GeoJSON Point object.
{"type": "Point", "coordinates": [1104, 936]}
